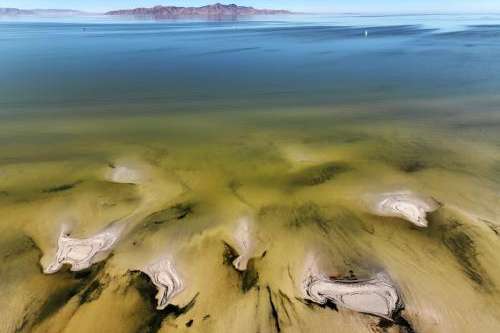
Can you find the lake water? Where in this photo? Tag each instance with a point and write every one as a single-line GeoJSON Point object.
{"type": "Point", "coordinates": [288, 123]}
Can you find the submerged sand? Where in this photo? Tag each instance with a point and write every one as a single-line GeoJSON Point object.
{"type": "Point", "coordinates": [167, 223]}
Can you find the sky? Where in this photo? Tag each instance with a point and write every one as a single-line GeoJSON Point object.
{"type": "Point", "coordinates": [331, 6]}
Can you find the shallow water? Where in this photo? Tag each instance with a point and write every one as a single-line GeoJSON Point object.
{"type": "Point", "coordinates": [289, 123]}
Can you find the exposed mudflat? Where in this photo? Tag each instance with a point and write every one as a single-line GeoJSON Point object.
{"type": "Point", "coordinates": [216, 236]}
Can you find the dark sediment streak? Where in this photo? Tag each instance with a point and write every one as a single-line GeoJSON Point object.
{"type": "Point", "coordinates": [317, 175]}
{"type": "Point", "coordinates": [248, 278]}
{"type": "Point", "coordinates": [399, 321]}
{"type": "Point", "coordinates": [411, 166]}
{"type": "Point", "coordinates": [459, 240]}
{"type": "Point", "coordinates": [299, 216]}
{"type": "Point", "coordinates": [68, 284]}
{"type": "Point", "coordinates": [85, 284]}
{"type": "Point", "coordinates": [61, 188]}
{"type": "Point", "coordinates": [176, 212]}
{"type": "Point", "coordinates": [155, 221]}
{"type": "Point", "coordinates": [147, 290]}
{"type": "Point", "coordinates": [274, 312]}
{"type": "Point", "coordinates": [492, 226]}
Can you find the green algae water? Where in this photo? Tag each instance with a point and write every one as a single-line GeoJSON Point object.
{"type": "Point", "coordinates": [173, 132]}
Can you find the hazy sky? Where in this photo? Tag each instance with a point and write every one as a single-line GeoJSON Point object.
{"type": "Point", "coordinates": [401, 6]}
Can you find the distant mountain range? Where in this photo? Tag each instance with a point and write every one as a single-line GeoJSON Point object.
{"type": "Point", "coordinates": [205, 11]}
{"type": "Point", "coordinates": [41, 12]}
{"type": "Point", "coordinates": [216, 10]}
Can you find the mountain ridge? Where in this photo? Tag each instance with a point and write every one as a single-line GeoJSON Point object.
{"type": "Point", "coordinates": [217, 9]}
{"type": "Point", "coordinates": [8, 11]}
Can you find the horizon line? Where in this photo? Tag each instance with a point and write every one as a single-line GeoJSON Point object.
{"type": "Point", "coordinates": [313, 12]}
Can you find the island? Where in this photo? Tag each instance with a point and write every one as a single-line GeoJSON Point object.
{"type": "Point", "coordinates": [216, 10]}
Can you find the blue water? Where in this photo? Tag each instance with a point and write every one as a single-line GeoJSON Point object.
{"type": "Point", "coordinates": [277, 62]}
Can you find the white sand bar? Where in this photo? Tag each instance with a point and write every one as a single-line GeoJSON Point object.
{"type": "Point", "coordinates": [405, 205]}
{"type": "Point", "coordinates": [167, 281]}
{"type": "Point", "coordinates": [81, 253]}
{"type": "Point", "coordinates": [124, 174]}
{"type": "Point", "coordinates": [244, 243]}
{"type": "Point", "coordinates": [376, 296]}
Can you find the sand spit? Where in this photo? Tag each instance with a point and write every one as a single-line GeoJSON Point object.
{"type": "Point", "coordinates": [377, 296]}
{"type": "Point", "coordinates": [166, 279]}
{"type": "Point", "coordinates": [244, 244]}
{"type": "Point", "coordinates": [405, 204]}
{"type": "Point", "coordinates": [82, 253]}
